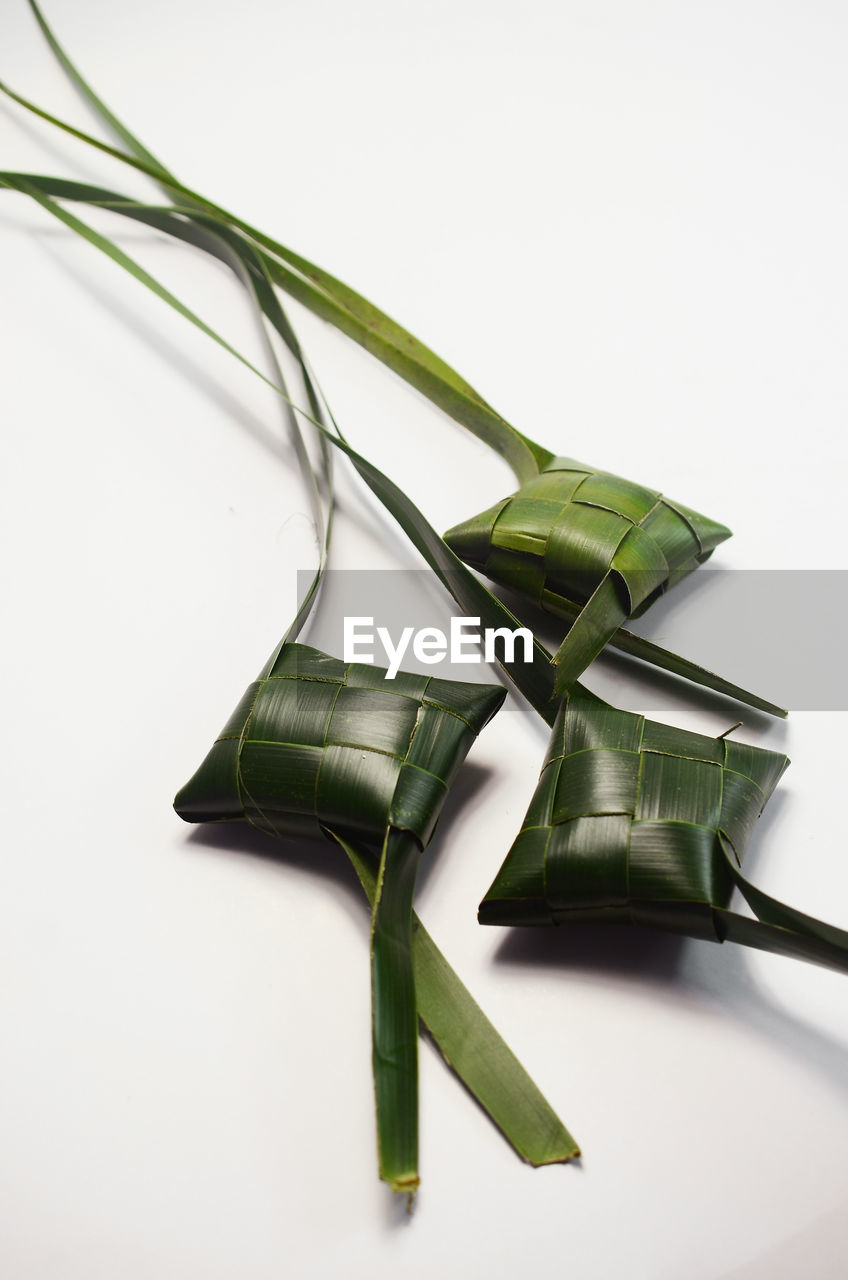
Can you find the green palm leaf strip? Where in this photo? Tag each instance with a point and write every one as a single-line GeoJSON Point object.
{"type": "Point", "coordinates": [635, 822]}
{"type": "Point", "coordinates": [395, 1012]}
{"type": "Point", "coordinates": [319, 489]}
{"type": "Point", "coordinates": [337, 302]}
{"type": "Point", "coordinates": [599, 622]}
{"type": "Point", "coordinates": [413, 361]}
{"type": "Point", "coordinates": [470, 1044]}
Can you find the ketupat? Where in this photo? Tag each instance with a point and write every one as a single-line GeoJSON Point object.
{"type": "Point", "coordinates": [628, 821]}
{"type": "Point", "coordinates": [575, 534]}
{"type": "Point", "coordinates": [322, 749]}
{"type": "Point", "coordinates": [312, 732]}
{"type": "Point", "coordinates": [636, 822]}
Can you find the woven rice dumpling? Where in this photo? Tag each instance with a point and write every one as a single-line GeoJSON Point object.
{"type": "Point", "coordinates": [574, 536]}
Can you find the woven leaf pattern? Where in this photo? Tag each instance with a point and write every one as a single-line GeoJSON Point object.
{"type": "Point", "coordinates": [320, 743]}
{"type": "Point", "coordinates": [631, 821]}
{"type": "Point", "coordinates": [566, 529]}
{"type": "Point", "coordinates": [575, 535]}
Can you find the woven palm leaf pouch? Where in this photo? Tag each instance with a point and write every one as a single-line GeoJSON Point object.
{"type": "Point", "coordinates": [320, 745]}
{"type": "Point", "coordinates": [337, 751]}
{"type": "Point", "coordinates": [586, 545]}
{"type": "Point", "coordinates": [636, 822]}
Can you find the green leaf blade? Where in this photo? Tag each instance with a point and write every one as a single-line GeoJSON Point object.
{"type": "Point", "coordinates": [473, 1048]}
{"type": "Point", "coordinates": [394, 1013]}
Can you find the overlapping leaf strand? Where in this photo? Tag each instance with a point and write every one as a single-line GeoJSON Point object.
{"type": "Point", "coordinates": [324, 294]}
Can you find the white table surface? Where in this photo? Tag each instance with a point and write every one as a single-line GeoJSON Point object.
{"type": "Point", "coordinates": [621, 222]}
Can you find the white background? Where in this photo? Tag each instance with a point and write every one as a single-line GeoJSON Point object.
{"type": "Point", "coordinates": [626, 225]}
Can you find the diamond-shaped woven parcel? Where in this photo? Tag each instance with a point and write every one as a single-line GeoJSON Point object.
{"type": "Point", "coordinates": [319, 743]}
{"type": "Point", "coordinates": [564, 531]}
{"type": "Point", "coordinates": [630, 822]}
